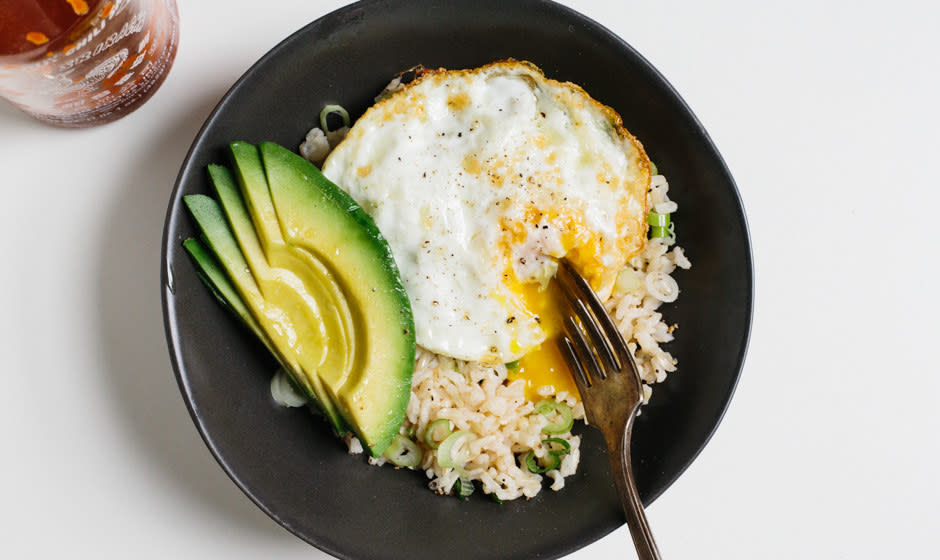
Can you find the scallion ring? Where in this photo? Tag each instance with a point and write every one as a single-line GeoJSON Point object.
{"type": "Point", "coordinates": [329, 110]}
{"type": "Point", "coordinates": [564, 423]}
{"type": "Point", "coordinates": [555, 449]}
{"type": "Point", "coordinates": [551, 461]}
{"type": "Point", "coordinates": [556, 446]}
{"type": "Point", "coordinates": [403, 452]}
{"type": "Point", "coordinates": [659, 231]}
{"type": "Point", "coordinates": [463, 486]}
{"type": "Point", "coordinates": [436, 432]}
{"type": "Point", "coordinates": [656, 219]}
{"type": "Point", "coordinates": [660, 224]}
{"type": "Point", "coordinates": [653, 169]}
{"type": "Point", "coordinates": [453, 451]}
{"type": "Point", "coordinates": [284, 392]}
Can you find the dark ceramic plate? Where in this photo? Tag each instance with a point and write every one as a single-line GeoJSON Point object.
{"type": "Point", "coordinates": [286, 460]}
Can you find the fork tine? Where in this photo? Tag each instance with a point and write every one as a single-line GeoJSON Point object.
{"type": "Point", "coordinates": [600, 342]}
{"type": "Point", "coordinates": [579, 288]}
{"type": "Point", "coordinates": [582, 349]}
{"type": "Point", "coordinates": [581, 378]}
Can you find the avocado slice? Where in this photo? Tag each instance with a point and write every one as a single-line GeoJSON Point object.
{"type": "Point", "coordinates": [215, 232]}
{"type": "Point", "coordinates": [307, 269]}
{"type": "Point", "coordinates": [324, 224]}
{"type": "Point", "coordinates": [214, 277]}
{"type": "Point", "coordinates": [246, 165]}
{"type": "Point", "coordinates": [299, 285]}
{"type": "Point", "coordinates": [289, 315]}
{"type": "Point", "coordinates": [333, 314]}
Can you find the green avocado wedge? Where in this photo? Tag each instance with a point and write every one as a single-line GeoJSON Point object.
{"type": "Point", "coordinates": [213, 275]}
{"type": "Point", "coordinates": [320, 219]}
{"type": "Point", "coordinates": [295, 318]}
{"type": "Point", "coordinates": [327, 311]}
{"type": "Point", "coordinates": [307, 271]}
{"type": "Point", "coordinates": [218, 237]}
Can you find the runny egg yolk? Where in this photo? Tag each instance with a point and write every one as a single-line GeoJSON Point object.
{"type": "Point", "coordinates": [544, 364]}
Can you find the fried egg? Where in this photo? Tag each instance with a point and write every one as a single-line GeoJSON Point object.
{"type": "Point", "coordinates": [481, 180]}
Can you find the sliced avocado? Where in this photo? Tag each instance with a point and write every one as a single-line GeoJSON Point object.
{"type": "Point", "coordinates": [287, 313]}
{"type": "Point", "coordinates": [215, 232]}
{"type": "Point", "coordinates": [246, 164]}
{"type": "Point", "coordinates": [237, 215]}
{"type": "Point", "coordinates": [325, 224]}
{"type": "Point", "coordinates": [307, 268]}
{"type": "Point", "coordinates": [333, 316]}
{"type": "Point", "coordinates": [214, 277]}
{"type": "Point", "coordinates": [296, 285]}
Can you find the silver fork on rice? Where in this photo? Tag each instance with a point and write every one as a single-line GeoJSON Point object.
{"type": "Point", "coordinates": [609, 382]}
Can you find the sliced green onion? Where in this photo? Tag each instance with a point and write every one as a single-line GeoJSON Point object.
{"type": "Point", "coordinates": [532, 462]}
{"type": "Point", "coordinates": [437, 432]}
{"type": "Point", "coordinates": [329, 110]}
{"type": "Point", "coordinates": [463, 486]}
{"type": "Point", "coordinates": [555, 449]}
{"type": "Point", "coordinates": [659, 231]}
{"type": "Point", "coordinates": [653, 169]}
{"type": "Point", "coordinates": [283, 390]}
{"type": "Point", "coordinates": [529, 461]}
{"type": "Point", "coordinates": [451, 453]}
{"type": "Point", "coordinates": [403, 452]}
{"type": "Point", "coordinates": [563, 425]}
{"type": "Point", "coordinates": [556, 446]}
{"type": "Point", "coordinates": [512, 365]}
{"type": "Point", "coordinates": [656, 219]}
{"type": "Point", "coordinates": [660, 224]}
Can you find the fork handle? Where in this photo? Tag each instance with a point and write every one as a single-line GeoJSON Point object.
{"type": "Point", "coordinates": [629, 498]}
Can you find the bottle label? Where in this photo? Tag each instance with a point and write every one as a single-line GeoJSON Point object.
{"type": "Point", "coordinates": [125, 50]}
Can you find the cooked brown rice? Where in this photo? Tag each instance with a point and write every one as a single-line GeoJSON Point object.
{"type": "Point", "coordinates": [483, 400]}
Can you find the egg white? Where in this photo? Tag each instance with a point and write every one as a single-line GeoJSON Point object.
{"type": "Point", "coordinates": [480, 179]}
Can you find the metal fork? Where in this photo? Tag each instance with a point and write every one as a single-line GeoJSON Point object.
{"type": "Point", "coordinates": [609, 382]}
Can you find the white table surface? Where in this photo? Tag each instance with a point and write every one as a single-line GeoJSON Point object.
{"type": "Point", "coordinates": [826, 113]}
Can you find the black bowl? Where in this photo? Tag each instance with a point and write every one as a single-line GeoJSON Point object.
{"type": "Point", "coordinates": [286, 460]}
